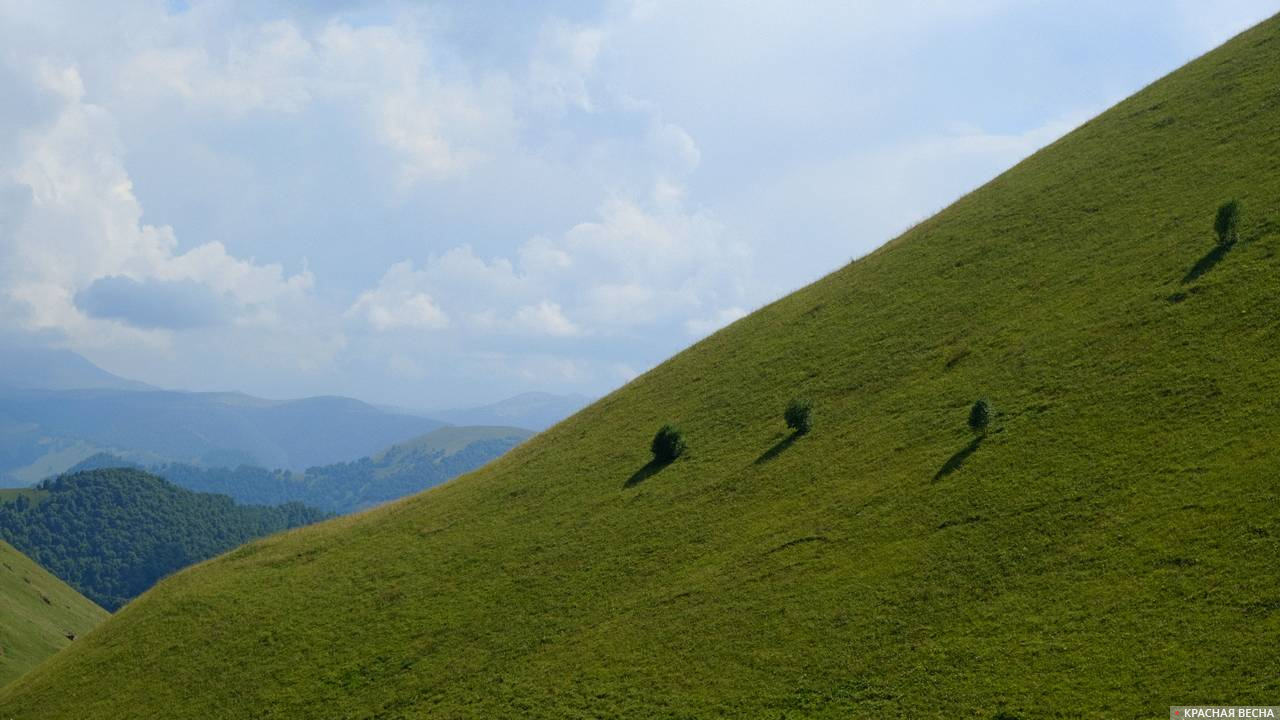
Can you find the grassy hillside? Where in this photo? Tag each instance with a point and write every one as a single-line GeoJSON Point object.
{"type": "Point", "coordinates": [39, 613]}
{"type": "Point", "coordinates": [1109, 549]}
{"type": "Point", "coordinates": [8, 495]}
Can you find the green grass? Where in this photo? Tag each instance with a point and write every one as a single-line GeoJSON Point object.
{"type": "Point", "coordinates": [37, 611]}
{"type": "Point", "coordinates": [1109, 548]}
{"type": "Point", "coordinates": [61, 455]}
{"type": "Point", "coordinates": [8, 495]}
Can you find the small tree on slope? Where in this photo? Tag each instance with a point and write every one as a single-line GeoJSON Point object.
{"type": "Point", "coordinates": [667, 445]}
{"type": "Point", "coordinates": [799, 415]}
{"type": "Point", "coordinates": [1227, 223]}
{"type": "Point", "coordinates": [980, 416]}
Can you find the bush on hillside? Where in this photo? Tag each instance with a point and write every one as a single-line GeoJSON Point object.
{"type": "Point", "coordinates": [668, 444]}
{"type": "Point", "coordinates": [799, 415]}
{"type": "Point", "coordinates": [1227, 223]}
{"type": "Point", "coordinates": [980, 416]}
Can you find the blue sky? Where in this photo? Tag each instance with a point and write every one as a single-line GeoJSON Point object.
{"type": "Point", "coordinates": [432, 204]}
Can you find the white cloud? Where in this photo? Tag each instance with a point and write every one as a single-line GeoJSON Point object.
{"type": "Point", "coordinates": [82, 222]}
{"type": "Point", "coordinates": [267, 67]}
{"type": "Point", "coordinates": [545, 318]}
{"type": "Point", "coordinates": [675, 149]}
{"type": "Point", "coordinates": [563, 62]}
{"type": "Point", "coordinates": [437, 124]}
{"type": "Point", "coordinates": [705, 326]}
{"type": "Point", "coordinates": [579, 195]}
{"type": "Point", "coordinates": [635, 265]}
{"type": "Point", "coordinates": [397, 302]}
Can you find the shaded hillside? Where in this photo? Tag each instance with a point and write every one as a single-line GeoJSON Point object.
{"type": "Point", "coordinates": [400, 470]}
{"type": "Point", "coordinates": [1106, 550]}
{"type": "Point", "coordinates": [45, 432]}
{"type": "Point", "coordinates": [113, 533]}
{"type": "Point", "coordinates": [29, 367]}
{"type": "Point", "coordinates": [41, 614]}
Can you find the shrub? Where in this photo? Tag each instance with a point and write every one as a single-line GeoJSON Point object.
{"type": "Point", "coordinates": [1227, 223]}
{"type": "Point", "coordinates": [668, 444]}
{"type": "Point", "coordinates": [799, 415]}
{"type": "Point", "coordinates": [980, 416]}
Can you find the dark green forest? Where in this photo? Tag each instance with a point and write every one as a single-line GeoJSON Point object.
{"type": "Point", "coordinates": [113, 533]}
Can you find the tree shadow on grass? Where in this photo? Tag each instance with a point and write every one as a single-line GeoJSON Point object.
{"type": "Point", "coordinates": [1206, 263]}
{"type": "Point", "coordinates": [778, 448]}
{"type": "Point", "coordinates": [954, 462]}
{"type": "Point", "coordinates": [649, 470]}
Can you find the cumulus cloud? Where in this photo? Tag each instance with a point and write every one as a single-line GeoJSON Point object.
{"type": "Point", "coordinates": [154, 304]}
{"type": "Point", "coordinates": [562, 66]}
{"type": "Point", "coordinates": [264, 67]}
{"type": "Point", "coordinates": [636, 265]}
{"type": "Point", "coordinates": [78, 251]}
{"type": "Point", "coordinates": [397, 302]}
{"type": "Point", "coordinates": [545, 318]}
{"type": "Point", "coordinates": [435, 123]}
{"type": "Point", "coordinates": [548, 197]}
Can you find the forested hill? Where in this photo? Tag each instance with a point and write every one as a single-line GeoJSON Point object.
{"type": "Point", "coordinates": [400, 470]}
{"type": "Point", "coordinates": [112, 533]}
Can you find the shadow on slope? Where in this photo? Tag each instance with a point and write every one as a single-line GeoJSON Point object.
{"type": "Point", "coordinates": [1206, 263]}
{"type": "Point", "coordinates": [777, 449]}
{"type": "Point", "coordinates": [653, 467]}
{"type": "Point", "coordinates": [954, 462]}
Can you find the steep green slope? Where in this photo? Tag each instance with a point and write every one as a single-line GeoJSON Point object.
{"type": "Point", "coordinates": [39, 614]}
{"type": "Point", "coordinates": [1109, 550]}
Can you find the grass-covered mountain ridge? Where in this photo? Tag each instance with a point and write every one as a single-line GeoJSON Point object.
{"type": "Point", "coordinates": [40, 614]}
{"type": "Point", "coordinates": [1107, 550]}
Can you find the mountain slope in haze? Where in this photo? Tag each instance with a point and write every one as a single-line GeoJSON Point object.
{"type": "Point", "coordinates": [40, 614]}
{"type": "Point", "coordinates": [532, 410]}
{"type": "Point", "coordinates": [113, 533]}
{"type": "Point", "coordinates": [1109, 548]}
{"type": "Point", "coordinates": [447, 442]}
{"type": "Point", "coordinates": [45, 432]}
{"type": "Point", "coordinates": [36, 368]}
{"type": "Point", "coordinates": [400, 470]}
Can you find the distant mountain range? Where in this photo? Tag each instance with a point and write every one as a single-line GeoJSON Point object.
{"type": "Point", "coordinates": [533, 410]}
{"type": "Point", "coordinates": [400, 470]}
{"type": "Point", "coordinates": [25, 366]}
{"type": "Point", "coordinates": [57, 409]}
{"type": "Point", "coordinates": [42, 432]}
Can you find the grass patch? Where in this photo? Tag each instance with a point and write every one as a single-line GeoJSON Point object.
{"type": "Point", "coordinates": [39, 614]}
